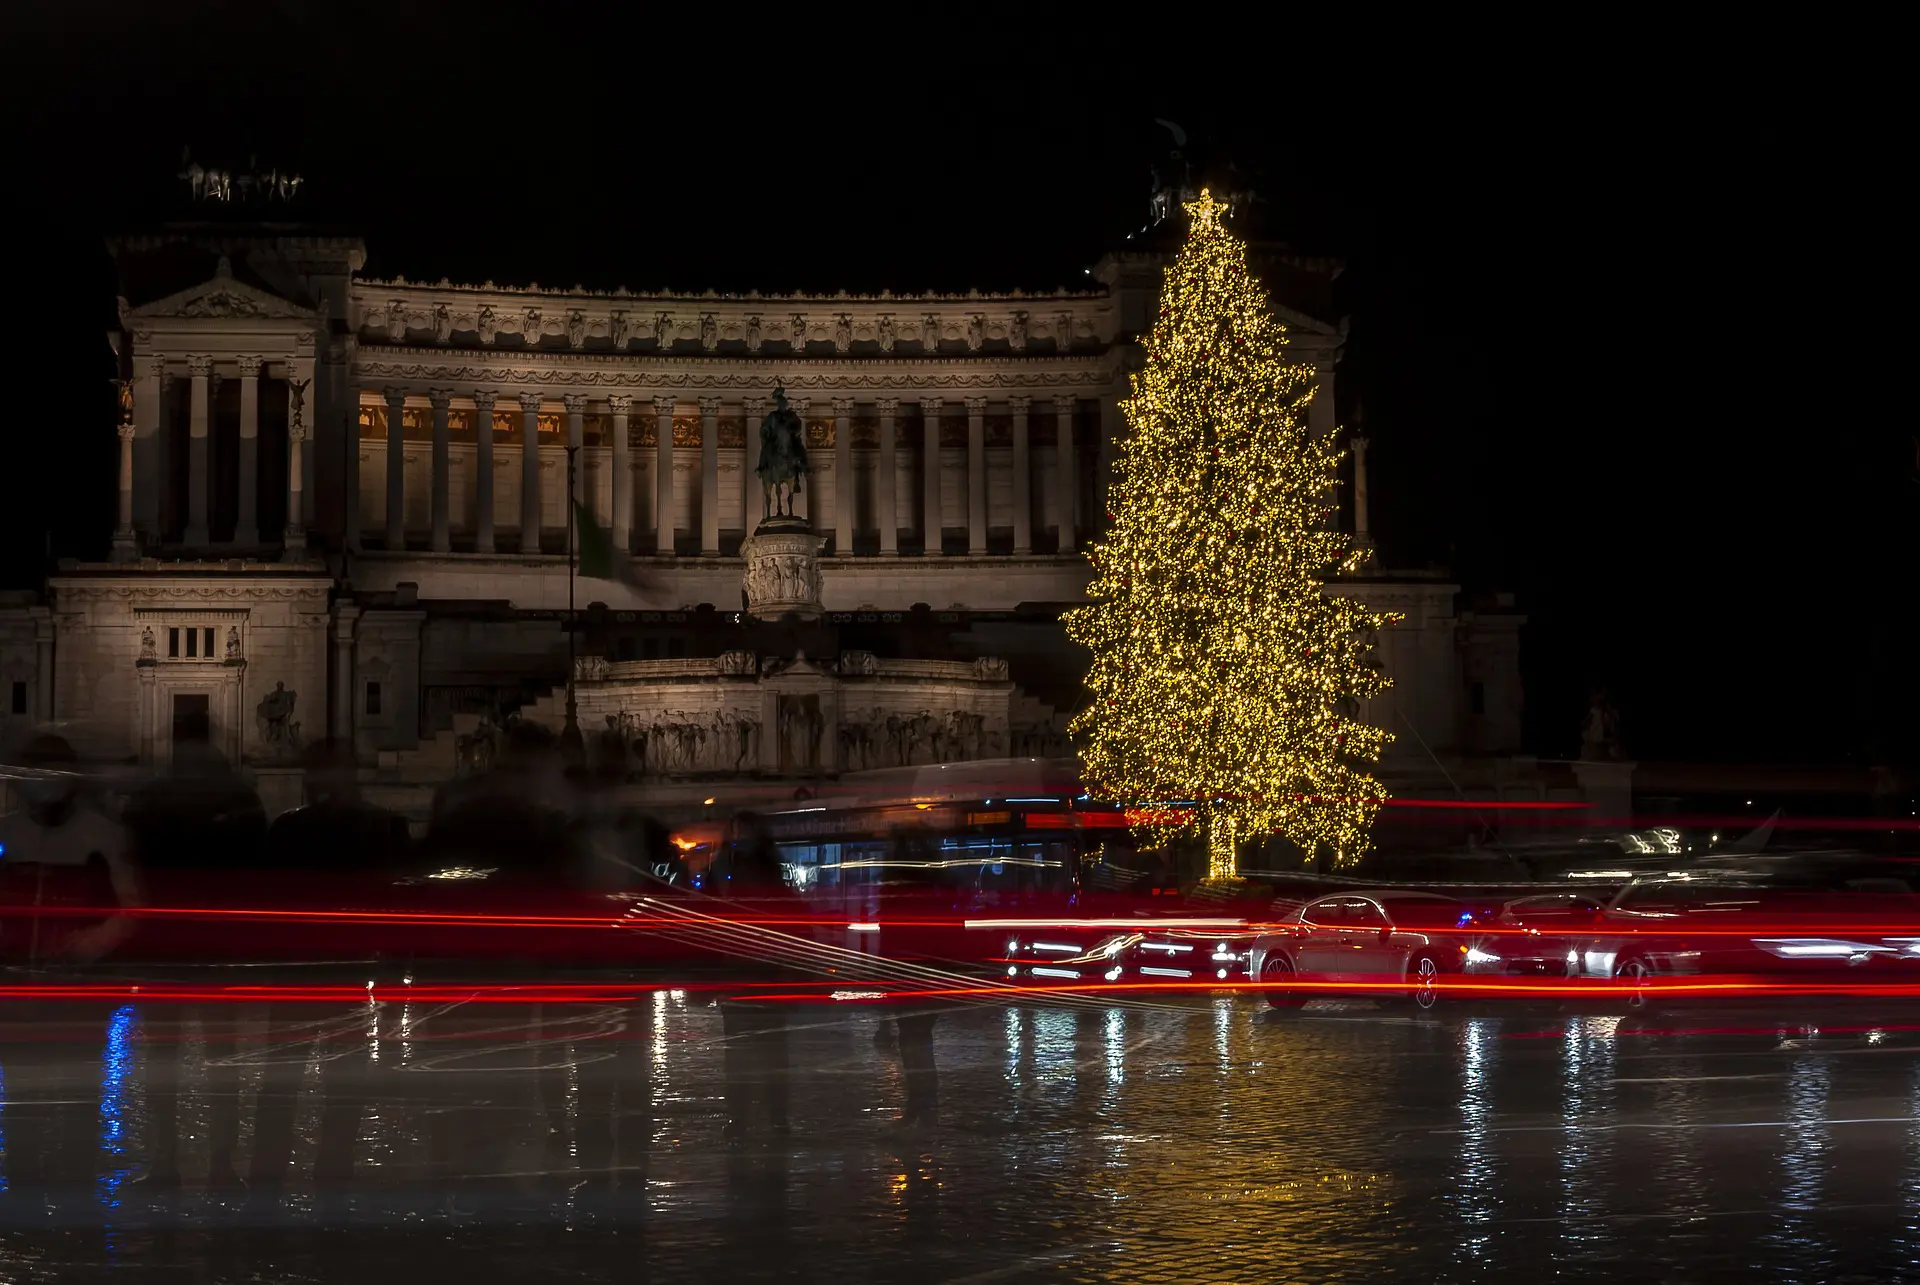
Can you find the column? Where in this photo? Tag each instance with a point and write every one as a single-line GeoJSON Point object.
{"type": "Point", "coordinates": [709, 477]}
{"type": "Point", "coordinates": [976, 476]}
{"type": "Point", "coordinates": [1022, 477]}
{"type": "Point", "coordinates": [200, 368]}
{"type": "Point", "coordinates": [529, 472]}
{"type": "Point", "coordinates": [125, 547]}
{"type": "Point", "coordinates": [663, 476]}
{"type": "Point", "coordinates": [803, 499]}
{"type": "Point", "coordinates": [396, 470]}
{"type": "Point", "coordinates": [751, 496]}
{"type": "Point", "coordinates": [1066, 477]}
{"type": "Point", "coordinates": [1320, 407]}
{"type": "Point", "coordinates": [246, 529]}
{"type": "Point", "coordinates": [884, 506]}
{"type": "Point", "coordinates": [43, 710]}
{"type": "Point", "coordinates": [346, 616]}
{"type": "Point", "coordinates": [1109, 435]}
{"type": "Point", "coordinates": [619, 404]}
{"type": "Point", "coordinates": [931, 519]}
{"type": "Point", "coordinates": [843, 486]}
{"type": "Point", "coordinates": [1362, 532]}
{"type": "Point", "coordinates": [296, 532]}
{"type": "Point", "coordinates": [576, 404]}
{"type": "Point", "coordinates": [442, 399]}
{"type": "Point", "coordinates": [483, 472]}
{"type": "Point", "coordinates": [149, 394]}
{"type": "Point", "coordinates": [351, 499]}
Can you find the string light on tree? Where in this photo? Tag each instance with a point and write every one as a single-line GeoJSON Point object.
{"type": "Point", "coordinates": [1222, 672]}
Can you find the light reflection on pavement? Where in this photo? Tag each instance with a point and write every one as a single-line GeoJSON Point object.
{"type": "Point", "coordinates": [1201, 1139]}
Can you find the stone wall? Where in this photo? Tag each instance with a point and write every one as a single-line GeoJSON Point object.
{"type": "Point", "coordinates": [120, 668]}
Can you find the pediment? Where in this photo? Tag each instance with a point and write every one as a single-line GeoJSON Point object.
{"type": "Point", "coordinates": [221, 298]}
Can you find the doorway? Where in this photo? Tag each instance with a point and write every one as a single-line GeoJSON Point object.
{"type": "Point", "coordinates": [192, 720]}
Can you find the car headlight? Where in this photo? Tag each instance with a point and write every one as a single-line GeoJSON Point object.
{"type": "Point", "coordinates": [1477, 956]}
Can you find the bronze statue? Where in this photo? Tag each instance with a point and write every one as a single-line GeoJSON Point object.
{"type": "Point", "coordinates": [783, 457]}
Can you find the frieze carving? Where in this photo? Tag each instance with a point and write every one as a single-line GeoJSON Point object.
{"type": "Point", "coordinates": [990, 669]}
{"type": "Point", "coordinates": [859, 664]}
{"type": "Point", "coordinates": [686, 430]}
{"type": "Point", "coordinates": [241, 592]}
{"type": "Point", "coordinates": [221, 303]}
{"type": "Point", "coordinates": [737, 664]}
{"type": "Point", "coordinates": [859, 377]}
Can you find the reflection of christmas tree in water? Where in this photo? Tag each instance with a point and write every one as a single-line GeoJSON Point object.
{"type": "Point", "coordinates": [1221, 668]}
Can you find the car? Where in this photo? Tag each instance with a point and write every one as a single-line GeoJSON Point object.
{"type": "Point", "coordinates": [1409, 939]}
{"type": "Point", "coordinates": [1710, 922]}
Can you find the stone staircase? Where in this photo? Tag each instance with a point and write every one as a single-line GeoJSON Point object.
{"type": "Point", "coordinates": [437, 758]}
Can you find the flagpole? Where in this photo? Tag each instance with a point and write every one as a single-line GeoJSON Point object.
{"type": "Point", "coordinates": [573, 746]}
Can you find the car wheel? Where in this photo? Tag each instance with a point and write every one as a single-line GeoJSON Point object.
{"type": "Point", "coordinates": [1637, 972]}
{"type": "Point", "coordinates": [1424, 971]}
{"type": "Point", "coordinates": [1276, 982]}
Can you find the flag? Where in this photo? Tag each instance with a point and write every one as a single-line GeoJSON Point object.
{"type": "Point", "coordinates": [597, 559]}
{"type": "Point", "coordinates": [593, 546]}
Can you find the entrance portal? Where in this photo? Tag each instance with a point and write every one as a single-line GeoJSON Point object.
{"type": "Point", "coordinates": [192, 723]}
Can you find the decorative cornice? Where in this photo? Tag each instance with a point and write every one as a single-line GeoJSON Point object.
{"type": "Point", "coordinates": [852, 378]}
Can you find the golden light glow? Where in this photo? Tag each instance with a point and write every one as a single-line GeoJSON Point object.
{"type": "Point", "coordinates": [1222, 673]}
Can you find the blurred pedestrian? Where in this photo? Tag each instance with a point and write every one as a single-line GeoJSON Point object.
{"type": "Point", "coordinates": [62, 850]}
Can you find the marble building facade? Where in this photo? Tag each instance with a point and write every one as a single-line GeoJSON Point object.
{"type": "Point", "coordinates": [357, 491]}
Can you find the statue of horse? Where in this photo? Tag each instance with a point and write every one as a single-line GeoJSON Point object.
{"type": "Point", "coordinates": [783, 457]}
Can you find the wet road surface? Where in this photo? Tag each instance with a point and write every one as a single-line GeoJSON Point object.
{"type": "Point", "coordinates": [1183, 1139]}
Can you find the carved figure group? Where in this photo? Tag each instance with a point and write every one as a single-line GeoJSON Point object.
{"type": "Point", "coordinates": [675, 742]}
{"type": "Point", "coordinates": [781, 578]}
{"type": "Point", "coordinates": [222, 185]}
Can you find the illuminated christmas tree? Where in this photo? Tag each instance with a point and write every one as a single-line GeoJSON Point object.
{"type": "Point", "coordinates": [1223, 674]}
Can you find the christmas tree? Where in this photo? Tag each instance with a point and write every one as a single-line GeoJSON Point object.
{"type": "Point", "coordinates": [1224, 676]}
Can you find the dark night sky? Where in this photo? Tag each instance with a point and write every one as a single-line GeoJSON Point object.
{"type": "Point", "coordinates": [1611, 319]}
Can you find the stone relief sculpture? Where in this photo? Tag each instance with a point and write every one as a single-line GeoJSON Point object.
{"type": "Point", "coordinates": [663, 331]}
{"type": "Point", "coordinates": [753, 333]}
{"type": "Point", "coordinates": [930, 332]}
{"type": "Point", "coordinates": [233, 642]}
{"type": "Point", "coordinates": [709, 332]}
{"type": "Point", "coordinates": [990, 669]}
{"type": "Point", "coordinates": [149, 650]}
{"type": "Point", "coordinates": [618, 330]}
{"type": "Point", "coordinates": [1017, 331]}
{"type": "Point", "coordinates": [737, 664]}
{"type": "Point", "coordinates": [797, 331]}
{"type": "Point", "coordinates": [843, 333]}
{"type": "Point", "coordinates": [976, 332]}
{"type": "Point", "coordinates": [884, 332]}
{"type": "Point", "coordinates": [275, 712]}
{"type": "Point", "coordinates": [859, 664]}
{"type": "Point", "coordinates": [396, 321]}
{"type": "Point", "coordinates": [1063, 330]}
{"type": "Point", "coordinates": [530, 327]}
{"type": "Point", "coordinates": [485, 323]}
{"type": "Point", "coordinates": [576, 328]}
{"type": "Point", "coordinates": [442, 323]}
